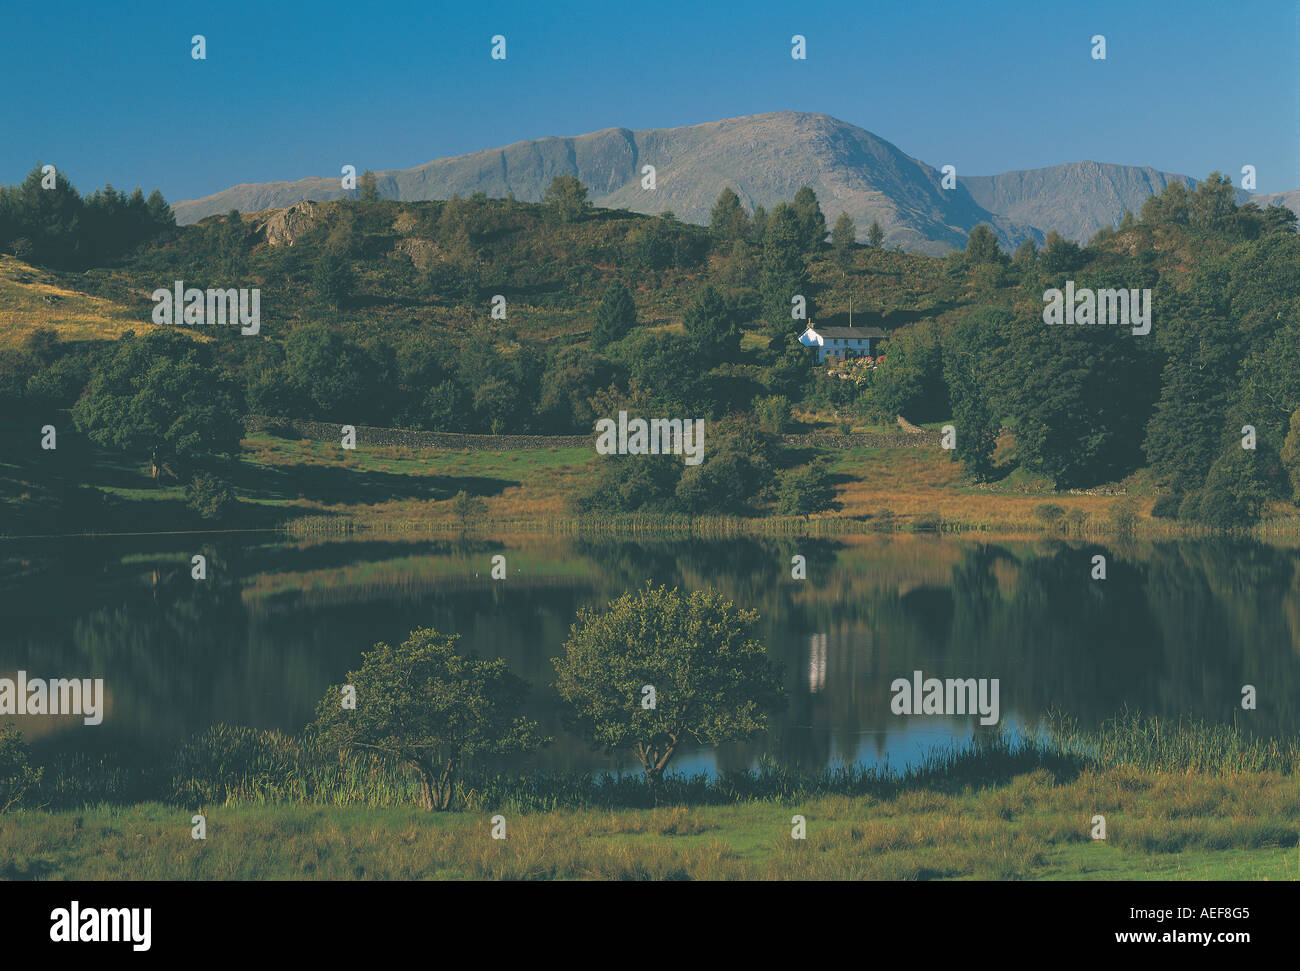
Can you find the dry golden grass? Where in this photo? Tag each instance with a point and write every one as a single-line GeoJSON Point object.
{"type": "Point", "coordinates": [913, 482]}
{"type": "Point", "coordinates": [31, 299]}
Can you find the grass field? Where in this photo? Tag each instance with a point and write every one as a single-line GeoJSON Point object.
{"type": "Point", "coordinates": [1159, 826]}
{"type": "Point", "coordinates": [312, 486]}
{"type": "Point", "coordinates": [31, 299]}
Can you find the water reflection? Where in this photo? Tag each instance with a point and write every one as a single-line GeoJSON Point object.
{"type": "Point", "coordinates": [1177, 628]}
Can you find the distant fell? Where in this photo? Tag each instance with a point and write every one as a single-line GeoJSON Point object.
{"type": "Point", "coordinates": [766, 158]}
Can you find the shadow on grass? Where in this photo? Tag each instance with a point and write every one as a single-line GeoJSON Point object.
{"type": "Point", "coordinates": [32, 870]}
{"type": "Point", "coordinates": [339, 484]}
{"type": "Point", "coordinates": [80, 487]}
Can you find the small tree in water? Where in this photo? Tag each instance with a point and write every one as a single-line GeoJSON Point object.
{"type": "Point", "coordinates": [427, 706]}
{"type": "Point", "coordinates": [657, 669]}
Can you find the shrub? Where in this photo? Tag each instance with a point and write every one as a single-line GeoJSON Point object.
{"type": "Point", "coordinates": [1166, 507]}
{"type": "Point", "coordinates": [926, 522]}
{"type": "Point", "coordinates": [1124, 516]}
{"type": "Point", "coordinates": [804, 489]}
{"type": "Point", "coordinates": [17, 776]}
{"type": "Point", "coordinates": [229, 760]}
{"type": "Point", "coordinates": [1234, 495]}
{"type": "Point", "coordinates": [468, 510]}
{"type": "Point", "coordinates": [773, 413]}
{"type": "Point", "coordinates": [1076, 520]}
{"type": "Point", "coordinates": [1049, 514]}
{"type": "Point", "coordinates": [209, 496]}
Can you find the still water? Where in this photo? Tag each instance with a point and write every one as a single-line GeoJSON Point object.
{"type": "Point", "coordinates": [1175, 629]}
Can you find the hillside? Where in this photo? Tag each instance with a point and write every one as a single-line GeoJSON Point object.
{"type": "Point", "coordinates": [32, 299]}
{"type": "Point", "coordinates": [379, 314]}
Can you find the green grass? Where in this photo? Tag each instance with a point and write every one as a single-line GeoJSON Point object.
{"type": "Point", "coordinates": [1180, 801]}
{"type": "Point", "coordinates": [309, 488]}
{"type": "Point", "coordinates": [1159, 826]}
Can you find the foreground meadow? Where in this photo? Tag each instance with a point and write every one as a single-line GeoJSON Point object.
{"type": "Point", "coordinates": [1175, 826]}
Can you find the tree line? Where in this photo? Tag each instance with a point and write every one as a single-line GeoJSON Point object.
{"type": "Point", "coordinates": [44, 220]}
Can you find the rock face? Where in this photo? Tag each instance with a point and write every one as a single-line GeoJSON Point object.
{"type": "Point", "coordinates": [765, 158]}
{"type": "Point", "coordinates": [1076, 199]}
{"type": "Point", "coordinates": [284, 226]}
{"type": "Point", "coordinates": [1289, 199]}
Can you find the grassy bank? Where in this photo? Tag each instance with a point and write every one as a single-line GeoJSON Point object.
{"type": "Point", "coordinates": [310, 488]}
{"type": "Point", "coordinates": [1180, 801]}
{"type": "Point", "coordinates": [1159, 825]}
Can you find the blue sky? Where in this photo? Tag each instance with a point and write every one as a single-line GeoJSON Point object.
{"type": "Point", "coordinates": [289, 89]}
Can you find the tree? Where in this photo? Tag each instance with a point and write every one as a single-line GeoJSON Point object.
{"type": "Point", "coordinates": [210, 497]}
{"type": "Point", "coordinates": [368, 188]}
{"type": "Point", "coordinates": [615, 315]}
{"type": "Point", "coordinates": [469, 510]}
{"type": "Point", "coordinates": [332, 277]}
{"type": "Point", "coordinates": [738, 470]}
{"type": "Point", "coordinates": [1170, 207]}
{"type": "Point", "coordinates": [812, 222]}
{"type": "Point", "coordinates": [782, 270]}
{"type": "Point", "coordinates": [566, 198]}
{"type": "Point", "coordinates": [55, 226]}
{"type": "Point", "coordinates": [982, 247]}
{"type": "Point", "coordinates": [804, 489]}
{"type": "Point", "coordinates": [1062, 255]}
{"type": "Point", "coordinates": [572, 375]}
{"type": "Point", "coordinates": [728, 223]}
{"type": "Point", "coordinates": [773, 413]}
{"type": "Point", "coordinates": [335, 378]}
{"type": "Point", "coordinates": [1080, 398]}
{"type": "Point", "coordinates": [162, 394]}
{"type": "Point", "coordinates": [843, 236]}
{"type": "Point", "coordinates": [977, 432]}
{"type": "Point", "coordinates": [1235, 492]}
{"type": "Point", "coordinates": [1212, 204]}
{"type": "Point", "coordinates": [1202, 353]}
{"type": "Point", "coordinates": [631, 483]}
{"type": "Point", "coordinates": [738, 269]}
{"type": "Point", "coordinates": [1025, 256]}
{"type": "Point", "coordinates": [875, 235]}
{"type": "Point", "coordinates": [1291, 455]}
{"type": "Point", "coordinates": [160, 214]}
{"type": "Point", "coordinates": [48, 219]}
{"type": "Point", "coordinates": [700, 658]}
{"type": "Point", "coordinates": [711, 326]}
{"type": "Point", "coordinates": [429, 708]}
{"type": "Point", "coordinates": [910, 383]}
{"type": "Point", "coordinates": [17, 775]}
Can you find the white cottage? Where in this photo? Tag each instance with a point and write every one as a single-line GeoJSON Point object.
{"type": "Point", "coordinates": [841, 341]}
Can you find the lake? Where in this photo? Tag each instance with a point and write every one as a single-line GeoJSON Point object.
{"type": "Point", "coordinates": [1176, 629]}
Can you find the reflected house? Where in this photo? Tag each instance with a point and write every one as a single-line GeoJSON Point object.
{"type": "Point", "coordinates": [841, 342]}
{"type": "Point", "coordinates": [816, 663]}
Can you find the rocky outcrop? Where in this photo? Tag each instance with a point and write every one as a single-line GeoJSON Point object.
{"type": "Point", "coordinates": [284, 226]}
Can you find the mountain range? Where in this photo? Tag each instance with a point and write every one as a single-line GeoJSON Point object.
{"type": "Point", "coordinates": [765, 158]}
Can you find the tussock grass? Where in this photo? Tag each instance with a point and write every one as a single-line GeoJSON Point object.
{"type": "Point", "coordinates": [1034, 826]}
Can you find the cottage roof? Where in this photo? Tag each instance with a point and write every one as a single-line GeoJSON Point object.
{"type": "Point", "coordinates": [850, 332]}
